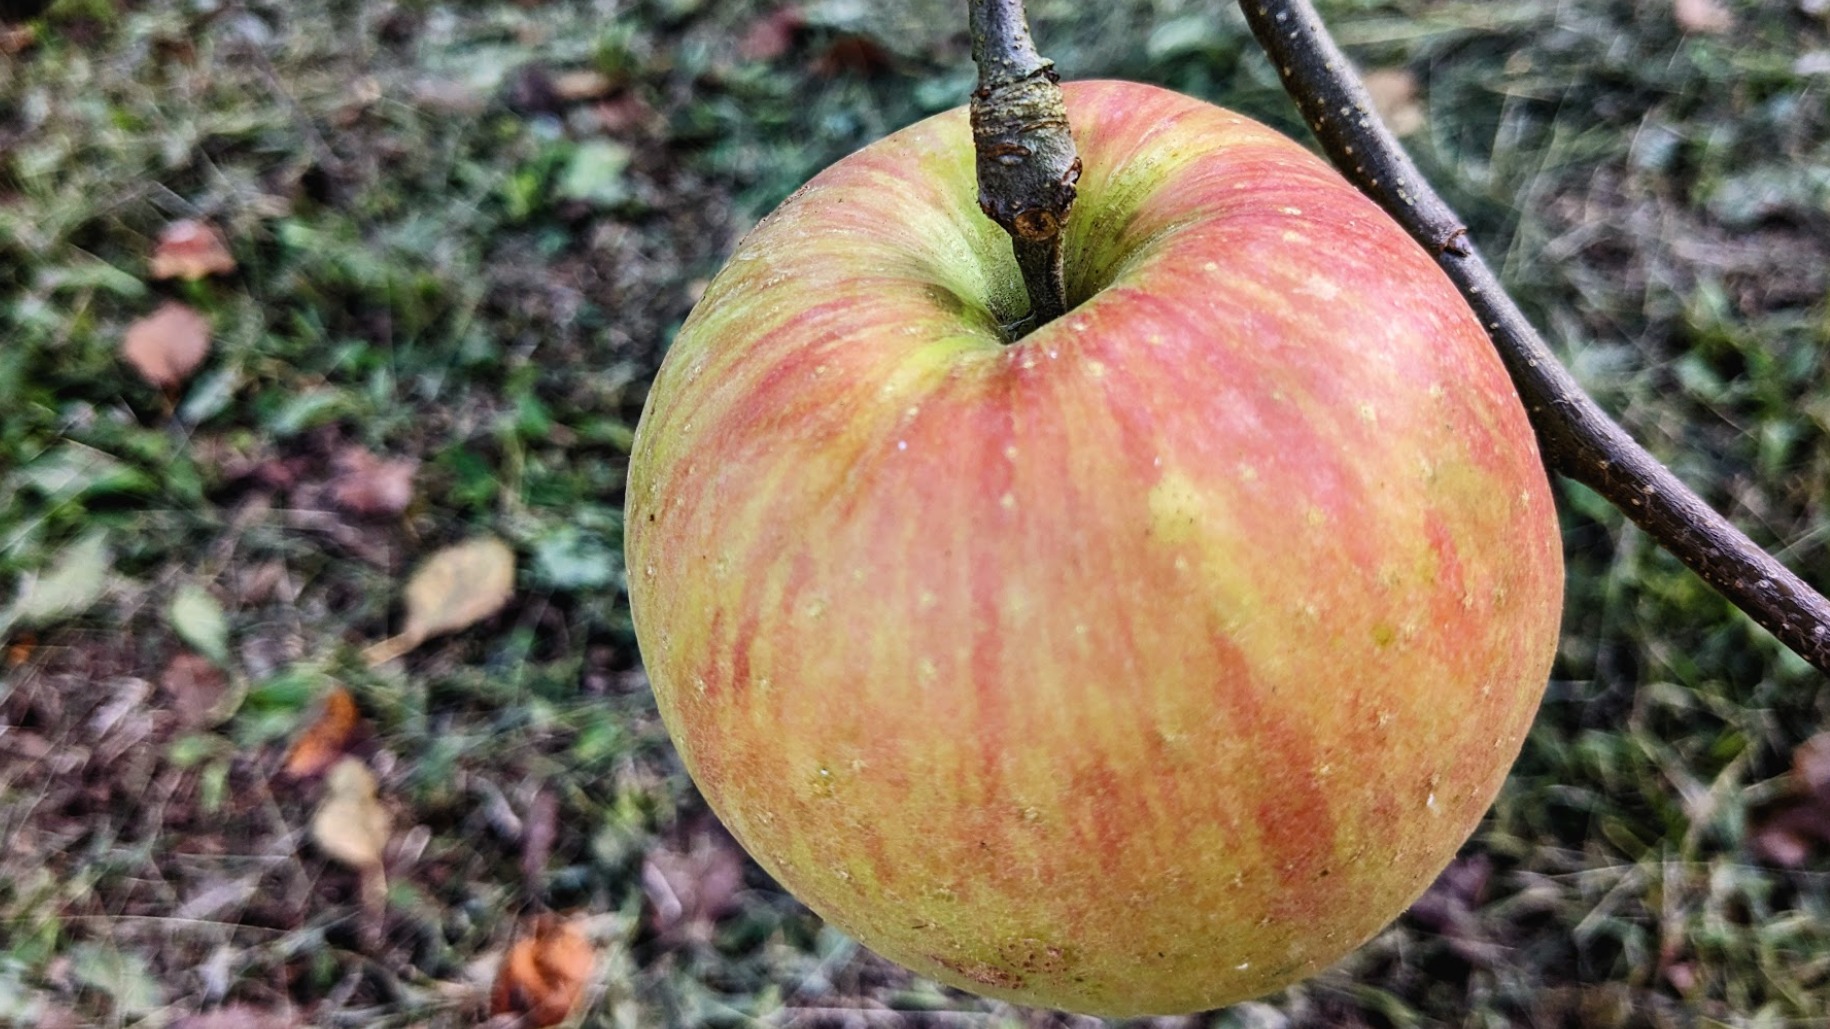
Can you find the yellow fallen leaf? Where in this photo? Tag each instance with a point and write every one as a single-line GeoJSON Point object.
{"type": "Point", "coordinates": [456, 588]}
{"type": "Point", "coordinates": [544, 975]}
{"type": "Point", "coordinates": [351, 825]}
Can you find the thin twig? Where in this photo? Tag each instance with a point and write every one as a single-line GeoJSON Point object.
{"type": "Point", "coordinates": [1027, 165]}
{"type": "Point", "coordinates": [1577, 437]}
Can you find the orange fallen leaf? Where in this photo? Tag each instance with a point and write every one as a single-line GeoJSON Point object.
{"type": "Point", "coordinates": [166, 346]}
{"type": "Point", "coordinates": [19, 651]}
{"type": "Point", "coordinates": [544, 975]}
{"type": "Point", "coordinates": [190, 249]}
{"type": "Point", "coordinates": [328, 738]}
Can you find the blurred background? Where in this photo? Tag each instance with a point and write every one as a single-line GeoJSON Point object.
{"type": "Point", "coordinates": [323, 330]}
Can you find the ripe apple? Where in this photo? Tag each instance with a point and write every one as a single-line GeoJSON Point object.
{"type": "Point", "coordinates": [1147, 663]}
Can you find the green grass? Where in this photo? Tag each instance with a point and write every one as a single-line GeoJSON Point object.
{"type": "Point", "coordinates": [441, 260]}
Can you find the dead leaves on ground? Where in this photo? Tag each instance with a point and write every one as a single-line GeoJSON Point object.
{"type": "Point", "coordinates": [329, 738]}
{"type": "Point", "coordinates": [198, 690]}
{"type": "Point", "coordinates": [369, 486]}
{"type": "Point", "coordinates": [454, 589]}
{"type": "Point", "coordinates": [166, 346]}
{"type": "Point", "coordinates": [542, 979]}
{"type": "Point", "coordinates": [1790, 833]}
{"type": "Point", "coordinates": [352, 826]}
{"type": "Point", "coordinates": [691, 880]}
{"type": "Point", "coordinates": [190, 250]}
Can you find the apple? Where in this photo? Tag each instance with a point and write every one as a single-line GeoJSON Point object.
{"type": "Point", "coordinates": [1147, 663]}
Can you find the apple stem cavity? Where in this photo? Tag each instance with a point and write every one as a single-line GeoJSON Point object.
{"type": "Point", "coordinates": [1577, 438]}
{"type": "Point", "coordinates": [1028, 167]}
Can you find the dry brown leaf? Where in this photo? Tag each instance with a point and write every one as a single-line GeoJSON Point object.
{"type": "Point", "coordinates": [543, 976]}
{"type": "Point", "coordinates": [853, 55]}
{"type": "Point", "coordinates": [539, 829]}
{"type": "Point", "coordinates": [196, 688]}
{"type": "Point", "coordinates": [351, 826]}
{"type": "Point", "coordinates": [771, 35]}
{"type": "Point", "coordinates": [370, 487]}
{"type": "Point", "coordinates": [1811, 765]}
{"type": "Point", "coordinates": [21, 648]}
{"type": "Point", "coordinates": [456, 588]}
{"type": "Point", "coordinates": [239, 1016]}
{"type": "Point", "coordinates": [17, 38]}
{"type": "Point", "coordinates": [1789, 833]}
{"type": "Point", "coordinates": [691, 881]}
{"type": "Point", "coordinates": [1705, 17]}
{"type": "Point", "coordinates": [1394, 96]}
{"type": "Point", "coordinates": [166, 346]}
{"type": "Point", "coordinates": [328, 738]}
{"type": "Point", "coordinates": [190, 249]}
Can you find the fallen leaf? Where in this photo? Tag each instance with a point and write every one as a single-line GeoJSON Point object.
{"type": "Point", "coordinates": [239, 1016]}
{"type": "Point", "coordinates": [328, 738]}
{"type": "Point", "coordinates": [74, 581]}
{"type": "Point", "coordinates": [370, 487]}
{"type": "Point", "coordinates": [166, 346]}
{"type": "Point", "coordinates": [351, 826]}
{"type": "Point", "coordinates": [198, 619]}
{"type": "Point", "coordinates": [543, 976]}
{"type": "Point", "coordinates": [1791, 832]}
{"type": "Point", "coordinates": [539, 829]}
{"type": "Point", "coordinates": [1811, 765]}
{"type": "Point", "coordinates": [190, 249]}
{"type": "Point", "coordinates": [628, 114]}
{"type": "Point", "coordinates": [17, 38]}
{"type": "Point", "coordinates": [1394, 97]}
{"type": "Point", "coordinates": [197, 688]}
{"type": "Point", "coordinates": [691, 881]}
{"type": "Point", "coordinates": [1704, 17]}
{"type": "Point", "coordinates": [771, 35]}
{"type": "Point", "coordinates": [581, 85]}
{"type": "Point", "coordinates": [595, 173]}
{"type": "Point", "coordinates": [20, 650]}
{"type": "Point", "coordinates": [852, 55]}
{"type": "Point", "coordinates": [456, 588]}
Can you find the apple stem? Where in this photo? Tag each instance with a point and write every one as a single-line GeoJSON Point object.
{"type": "Point", "coordinates": [1027, 165]}
{"type": "Point", "coordinates": [1578, 439]}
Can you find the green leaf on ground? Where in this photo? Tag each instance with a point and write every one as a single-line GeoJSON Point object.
{"type": "Point", "coordinates": [199, 621]}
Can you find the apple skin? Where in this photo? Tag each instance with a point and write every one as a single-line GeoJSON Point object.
{"type": "Point", "coordinates": [1148, 664]}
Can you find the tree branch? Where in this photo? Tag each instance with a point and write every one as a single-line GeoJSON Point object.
{"type": "Point", "coordinates": [1577, 437]}
{"type": "Point", "coordinates": [1027, 164]}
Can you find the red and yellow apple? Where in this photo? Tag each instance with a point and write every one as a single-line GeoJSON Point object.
{"type": "Point", "coordinates": [1147, 663]}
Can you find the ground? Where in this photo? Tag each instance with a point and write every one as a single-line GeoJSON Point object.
{"type": "Point", "coordinates": [462, 236]}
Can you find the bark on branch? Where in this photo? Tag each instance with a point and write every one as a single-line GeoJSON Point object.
{"type": "Point", "coordinates": [1577, 437]}
{"type": "Point", "coordinates": [1027, 164]}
